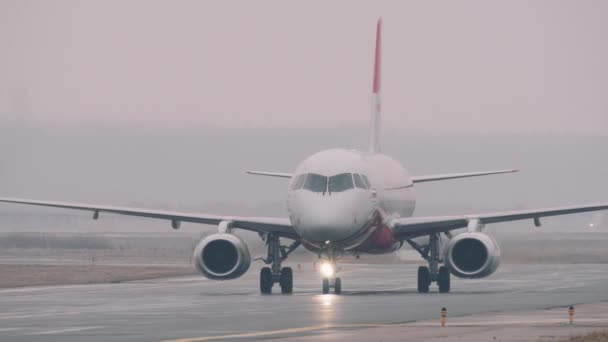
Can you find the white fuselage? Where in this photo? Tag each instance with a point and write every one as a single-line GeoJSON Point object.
{"type": "Point", "coordinates": [350, 216]}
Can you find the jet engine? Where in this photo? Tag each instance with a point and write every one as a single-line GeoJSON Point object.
{"type": "Point", "coordinates": [472, 255]}
{"type": "Point", "coordinates": [222, 256]}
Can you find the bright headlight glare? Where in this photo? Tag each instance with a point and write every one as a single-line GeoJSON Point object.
{"type": "Point", "coordinates": [327, 269]}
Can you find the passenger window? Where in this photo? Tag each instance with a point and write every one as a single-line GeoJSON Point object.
{"type": "Point", "coordinates": [341, 182]}
{"type": "Point", "coordinates": [359, 183]}
{"type": "Point", "coordinates": [297, 184]}
{"type": "Point", "coordinates": [316, 183]}
{"type": "Point", "coordinates": [369, 185]}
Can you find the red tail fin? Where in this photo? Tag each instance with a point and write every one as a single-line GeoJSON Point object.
{"type": "Point", "coordinates": [377, 61]}
{"type": "Point", "coordinates": [374, 144]}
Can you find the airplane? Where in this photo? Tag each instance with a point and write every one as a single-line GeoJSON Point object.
{"type": "Point", "coordinates": [346, 202]}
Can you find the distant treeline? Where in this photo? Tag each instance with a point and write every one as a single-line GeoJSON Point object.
{"type": "Point", "coordinates": [538, 247]}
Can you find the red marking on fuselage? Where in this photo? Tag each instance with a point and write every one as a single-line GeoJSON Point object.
{"type": "Point", "coordinates": [382, 240]}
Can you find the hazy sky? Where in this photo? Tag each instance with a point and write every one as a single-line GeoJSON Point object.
{"type": "Point", "coordinates": [484, 66]}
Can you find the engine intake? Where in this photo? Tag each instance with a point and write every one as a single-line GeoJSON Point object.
{"type": "Point", "coordinates": [222, 256]}
{"type": "Point", "coordinates": [472, 255]}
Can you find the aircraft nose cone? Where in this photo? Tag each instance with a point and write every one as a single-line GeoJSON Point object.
{"type": "Point", "coordinates": [322, 226]}
{"type": "Point", "coordinates": [331, 217]}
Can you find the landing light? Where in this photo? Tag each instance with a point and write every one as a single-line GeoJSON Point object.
{"type": "Point", "coordinates": [327, 270]}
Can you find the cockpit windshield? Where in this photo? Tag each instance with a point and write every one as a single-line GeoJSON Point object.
{"type": "Point", "coordinates": [316, 183]}
{"type": "Point", "coordinates": [298, 182]}
{"type": "Point", "coordinates": [366, 181]}
{"type": "Point", "coordinates": [338, 183]}
{"type": "Point", "coordinates": [341, 182]}
{"type": "Point", "coordinates": [359, 183]}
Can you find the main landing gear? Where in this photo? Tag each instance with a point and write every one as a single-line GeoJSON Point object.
{"type": "Point", "coordinates": [275, 274]}
{"type": "Point", "coordinates": [432, 273]}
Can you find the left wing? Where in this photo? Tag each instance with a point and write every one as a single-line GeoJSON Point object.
{"type": "Point", "coordinates": [272, 174]}
{"type": "Point", "coordinates": [405, 228]}
{"type": "Point", "coordinates": [430, 178]}
{"type": "Point", "coordinates": [276, 225]}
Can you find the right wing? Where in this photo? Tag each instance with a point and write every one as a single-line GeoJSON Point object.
{"type": "Point", "coordinates": [276, 225]}
{"type": "Point", "coordinates": [430, 178]}
{"type": "Point", "coordinates": [410, 227]}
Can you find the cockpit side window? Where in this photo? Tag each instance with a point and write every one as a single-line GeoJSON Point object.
{"type": "Point", "coordinates": [369, 185]}
{"type": "Point", "coordinates": [359, 183]}
{"type": "Point", "coordinates": [316, 183]}
{"type": "Point", "coordinates": [297, 184]}
{"type": "Point", "coordinates": [341, 182]}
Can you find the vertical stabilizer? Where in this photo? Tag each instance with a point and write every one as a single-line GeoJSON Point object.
{"type": "Point", "coordinates": [374, 145]}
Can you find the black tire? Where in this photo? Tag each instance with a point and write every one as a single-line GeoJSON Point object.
{"type": "Point", "coordinates": [338, 286]}
{"type": "Point", "coordinates": [443, 279]}
{"type": "Point", "coordinates": [286, 280]}
{"type": "Point", "coordinates": [325, 285]}
{"type": "Point", "coordinates": [424, 279]}
{"type": "Point", "coordinates": [266, 280]}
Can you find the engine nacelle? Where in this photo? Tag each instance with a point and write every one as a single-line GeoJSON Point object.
{"type": "Point", "coordinates": [472, 255]}
{"type": "Point", "coordinates": [222, 256]}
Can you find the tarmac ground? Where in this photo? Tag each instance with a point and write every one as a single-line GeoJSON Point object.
{"type": "Point", "coordinates": [379, 302]}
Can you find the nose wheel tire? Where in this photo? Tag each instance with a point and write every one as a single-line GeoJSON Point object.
{"type": "Point", "coordinates": [325, 285]}
{"type": "Point", "coordinates": [443, 280]}
{"type": "Point", "coordinates": [266, 280]}
{"type": "Point", "coordinates": [286, 280]}
{"type": "Point", "coordinates": [424, 279]}
{"type": "Point", "coordinates": [338, 286]}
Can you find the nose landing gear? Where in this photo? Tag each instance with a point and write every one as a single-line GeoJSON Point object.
{"type": "Point", "coordinates": [432, 273]}
{"type": "Point", "coordinates": [328, 283]}
{"type": "Point", "coordinates": [337, 286]}
{"type": "Point", "coordinates": [275, 274]}
{"type": "Point", "coordinates": [329, 270]}
{"type": "Point", "coordinates": [325, 285]}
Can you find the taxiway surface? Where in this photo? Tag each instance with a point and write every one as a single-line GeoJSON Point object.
{"type": "Point", "coordinates": [197, 309]}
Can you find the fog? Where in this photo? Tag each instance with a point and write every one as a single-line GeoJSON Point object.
{"type": "Point", "coordinates": [165, 104]}
{"type": "Point", "coordinates": [200, 168]}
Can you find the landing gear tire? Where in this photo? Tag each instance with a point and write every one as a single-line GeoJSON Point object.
{"type": "Point", "coordinates": [443, 280]}
{"type": "Point", "coordinates": [424, 279]}
{"type": "Point", "coordinates": [286, 280]}
{"type": "Point", "coordinates": [337, 286]}
{"type": "Point", "coordinates": [266, 280]}
{"type": "Point", "coordinates": [325, 285]}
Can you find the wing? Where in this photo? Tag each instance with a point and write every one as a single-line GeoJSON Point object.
{"type": "Point", "coordinates": [415, 179]}
{"type": "Point", "coordinates": [276, 225]}
{"type": "Point", "coordinates": [271, 174]}
{"type": "Point", "coordinates": [411, 227]}
{"type": "Point", "coordinates": [430, 178]}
